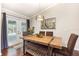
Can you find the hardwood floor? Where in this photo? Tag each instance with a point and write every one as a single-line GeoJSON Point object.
{"type": "Point", "coordinates": [13, 52]}
{"type": "Point", "coordinates": [19, 52]}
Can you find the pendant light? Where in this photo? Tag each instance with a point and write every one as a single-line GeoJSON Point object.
{"type": "Point", "coordinates": [40, 17]}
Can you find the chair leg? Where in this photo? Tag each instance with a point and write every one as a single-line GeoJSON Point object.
{"type": "Point", "coordinates": [54, 54]}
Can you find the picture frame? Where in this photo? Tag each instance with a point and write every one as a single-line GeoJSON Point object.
{"type": "Point", "coordinates": [49, 23]}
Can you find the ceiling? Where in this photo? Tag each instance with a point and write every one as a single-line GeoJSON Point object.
{"type": "Point", "coordinates": [28, 9]}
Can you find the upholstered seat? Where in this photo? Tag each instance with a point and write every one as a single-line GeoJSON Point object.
{"type": "Point", "coordinates": [63, 51]}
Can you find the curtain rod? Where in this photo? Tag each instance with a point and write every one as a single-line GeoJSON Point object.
{"type": "Point", "coordinates": [14, 16]}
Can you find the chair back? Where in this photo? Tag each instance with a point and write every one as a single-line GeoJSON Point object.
{"type": "Point", "coordinates": [49, 33]}
{"type": "Point", "coordinates": [42, 32]}
{"type": "Point", "coordinates": [25, 33]}
{"type": "Point", "coordinates": [72, 42]}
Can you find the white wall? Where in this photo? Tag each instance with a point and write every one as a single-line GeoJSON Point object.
{"type": "Point", "coordinates": [67, 21]}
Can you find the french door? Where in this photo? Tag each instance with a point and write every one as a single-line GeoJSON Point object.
{"type": "Point", "coordinates": [15, 27]}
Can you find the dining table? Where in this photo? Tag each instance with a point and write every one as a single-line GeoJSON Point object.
{"type": "Point", "coordinates": [49, 41]}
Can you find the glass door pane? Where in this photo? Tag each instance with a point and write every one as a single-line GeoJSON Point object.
{"type": "Point", "coordinates": [12, 32]}
{"type": "Point", "coordinates": [23, 26]}
{"type": "Point", "coordinates": [15, 27]}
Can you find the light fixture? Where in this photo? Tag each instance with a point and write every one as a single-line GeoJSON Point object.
{"type": "Point", "coordinates": [40, 17]}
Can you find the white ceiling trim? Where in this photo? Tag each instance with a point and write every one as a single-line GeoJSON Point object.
{"type": "Point", "coordinates": [50, 6]}
{"type": "Point", "coordinates": [12, 13]}
{"type": "Point", "coordinates": [28, 9]}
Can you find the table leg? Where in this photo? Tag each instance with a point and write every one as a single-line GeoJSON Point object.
{"type": "Point", "coordinates": [50, 51]}
{"type": "Point", "coordinates": [49, 48]}
{"type": "Point", "coordinates": [24, 47]}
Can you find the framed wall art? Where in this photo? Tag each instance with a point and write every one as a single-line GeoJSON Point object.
{"type": "Point", "coordinates": [49, 23]}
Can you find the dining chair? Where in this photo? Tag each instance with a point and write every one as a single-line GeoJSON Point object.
{"type": "Point", "coordinates": [49, 33]}
{"type": "Point", "coordinates": [67, 51]}
{"type": "Point", "coordinates": [42, 32]}
{"type": "Point", "coordinates": [24, 33]}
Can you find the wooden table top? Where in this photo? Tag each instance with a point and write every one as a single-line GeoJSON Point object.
{"type": "Point", "coordinates": [45, 40]}
{"type": "Point", "coordinates": [56, 42]}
